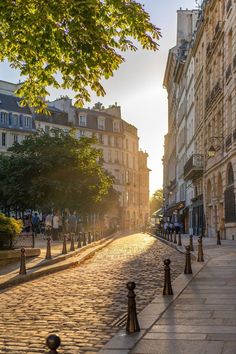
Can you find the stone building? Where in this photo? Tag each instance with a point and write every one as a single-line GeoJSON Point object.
{"type": "Point", "coordinates": [210, 156]}
{"type": "Point", "coordinates": [16, 121]}
{"type": "Point", "coordinates": [119, 143]}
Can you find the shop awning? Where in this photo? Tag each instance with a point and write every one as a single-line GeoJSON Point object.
{"type": "Point", "coordinates": [158, 213]}
{"type": "Point", "coordinates": [176, 207]}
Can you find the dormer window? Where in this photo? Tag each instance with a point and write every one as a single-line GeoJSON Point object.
{"type": "Point", "coordinates": [4, 116]}
{"type": "Point", "coordinates": [15, 119]}
{"type": "Point", "coordinates": [82, 120]}
{"type": "Point", "coordinates": [27, 122]}
{"type": "Point", "coordinates": [101, 123]}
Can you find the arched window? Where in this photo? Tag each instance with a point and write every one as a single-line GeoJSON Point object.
{"type": "Point", "coordinates": [230, 175]}
{"type": "Point", "coordinates": [230, 209]}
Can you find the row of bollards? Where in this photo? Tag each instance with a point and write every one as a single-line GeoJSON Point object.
{"type": "Point", "coordinates": [81, 240]}
{"type": "Point", "coordinates": [132, 325]}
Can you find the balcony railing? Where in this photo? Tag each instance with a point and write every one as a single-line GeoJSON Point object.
{"type": "Point", "coordinates": [228, 73]}
{"type": "Point", "coordinates": [217, 89]}
{"type": "Point", "coordinates": [218, 29]}
{"type": "Point", "coordinates": [209, 48]}
{"type": "Point", "coordinates": [193, 168]}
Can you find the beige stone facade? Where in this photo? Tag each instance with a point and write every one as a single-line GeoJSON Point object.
{"type": "Point", "coordinates": [210, 166]}
{"type": "Point", "coordinates": [118, 140]}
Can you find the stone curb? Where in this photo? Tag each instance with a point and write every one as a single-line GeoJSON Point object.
{"type": "Point", "coordinates": [20, 279]}
{"type": "Point", "coordinates": [123, 343]}
{"type": "Point", "coordinates": [63, 257]}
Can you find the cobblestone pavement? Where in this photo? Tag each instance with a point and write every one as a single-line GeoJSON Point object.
{"type": "Point", "coordinates": [81, 303]}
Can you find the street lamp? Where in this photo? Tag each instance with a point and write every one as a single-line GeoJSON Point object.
{"type": "Point", "coordinates": [212, 150]}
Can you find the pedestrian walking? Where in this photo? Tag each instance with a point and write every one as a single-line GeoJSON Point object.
{"type": "Point", "coordinates": [36, 224]}
{"type": "Point", "coordinates": [48, 224]}
{"type": "Point", "coordinates": [72, 222]}
{"type": "Point", "coordinates": [55, 226]}
{"type": "Point", "coordinates": [176, 227]}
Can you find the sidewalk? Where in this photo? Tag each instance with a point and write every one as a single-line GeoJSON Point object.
{"type": "Point", "coordinates": [38, 266]}
{"type": "Point", "coordinates": [199, 318]}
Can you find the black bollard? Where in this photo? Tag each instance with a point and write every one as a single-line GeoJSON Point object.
{"type": "Point", "coordinates": [89, 237]}
{"type": "Point", "coordinates": [132, 325]}
{"type": "Point", "coordinates": [167, 290]}
{"type": "Point", "coordinates": [191, 243]}
{"type": "Point", "coordinates": [64, 249]}
{"type": "Point", "coordinates": [22, 262]}
{"type": "Point", "coordinates": [218, 238]}
{"type": "Point", "coordinates": [175, 241]}
{"type": "Point", "coordinates": [84, 239]}
{"type": "Point", "coordinates": [200, 257]}
{"type": "Point", "coordinates": [179, 239]}
{"type": "Point", "coordinates": [79, 239]}
{"type": "Point", "coordinates": [48, 253]}
{"type": "Point", "coordinates": [53, 342]}
{"type": "Point", "coordinates": [171, 236]}
{"type": "Point", "coordinates": [188, 268]}
{"type": "Point", "coordinates": [72, 243]}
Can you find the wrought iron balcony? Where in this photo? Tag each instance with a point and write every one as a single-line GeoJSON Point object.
{"type": "Point", "coordinates": [209, 48]}
{"type": "Point", "coordinates": [193, 168]}
{"type": "Point", "coordinates": [218, 29]}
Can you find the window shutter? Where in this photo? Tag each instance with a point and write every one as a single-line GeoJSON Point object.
{"type": "Point", "coordinates": [10, 118]}
{"type": "Point", "coordinates": [21, 120]}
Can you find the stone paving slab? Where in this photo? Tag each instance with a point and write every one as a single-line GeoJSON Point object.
{"type": "Point", "coordinates": [201, 316]}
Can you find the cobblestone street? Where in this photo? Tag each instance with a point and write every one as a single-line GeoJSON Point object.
{"type": "Point", "coordinates": [81, 303]}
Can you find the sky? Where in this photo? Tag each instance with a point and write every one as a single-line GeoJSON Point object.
{"type": "Point", "coordinates": [137, 86]}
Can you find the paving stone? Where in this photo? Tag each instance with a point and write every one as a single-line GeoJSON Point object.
{"type": "Point", "coordinates": [178, 347]}
{"type": "Point", "coordinates": [193, 329]}
{"type": "Point", "coordinates": [229, 348]}
{"type": "Point", "coordinates": [81, 303]}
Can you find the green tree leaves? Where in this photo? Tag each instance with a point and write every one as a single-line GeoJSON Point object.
{"type": "Point", "coordinates": [80, 39]}
{"type": "Point", "coordinates": [53, 171]}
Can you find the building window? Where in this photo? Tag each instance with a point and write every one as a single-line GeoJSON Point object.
{"type": "Point", "coordinates": [101, 140]}
{"type": "Point", "coordinates": [15, 119]}
{"type": "Point", "coordinates": [82, 120]}
{"type": "Point", "coordinates": [27, 122]}
{"type": "Point", "coordinates": [81, 133]}
{"type": "Point", "coordinates": [4, 116]}
{"type": "Point", "coordinates": [3, 139]}
{"type": "Point", "coordinates": [109, 140]}
{"type": "Point", "coordinates": [116, 126]}
{"type": "Point", "coordinates": [15, 139]}
{"type": "Point", "coordinates": [109, 156]}
{"type": "Point", "coordinates": [101, 123]}
{"type": "Point", "coordinates": [47, 129]}
{"type": "Point", "coordinates": [230, 209]}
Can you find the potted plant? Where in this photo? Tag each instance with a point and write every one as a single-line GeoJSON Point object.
{"type": "Point", "coordinates": [9, 228]}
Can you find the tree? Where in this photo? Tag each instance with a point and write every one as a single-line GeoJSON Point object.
{"type": "Point", "coordinates": [82, 40]}
{"type": "Point", "coordinates": [156, 201]}
{"type": "Point", "coordinates": [53, 171]}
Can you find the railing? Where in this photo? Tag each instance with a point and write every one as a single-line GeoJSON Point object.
{"type": "Point", "coordinates": [218, 28]}
{"type": "Point", "coordinates": [194, 166]}
{"type": "Point", "coordinates": [217, 89]}
{"type": "Point", "coordinates": [228, 73]}
{"type": "Point", "coordinates": [209, 48]}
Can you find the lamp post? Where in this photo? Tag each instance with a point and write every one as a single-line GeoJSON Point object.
{"type": "Point", "coordinates": [212, 150]}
